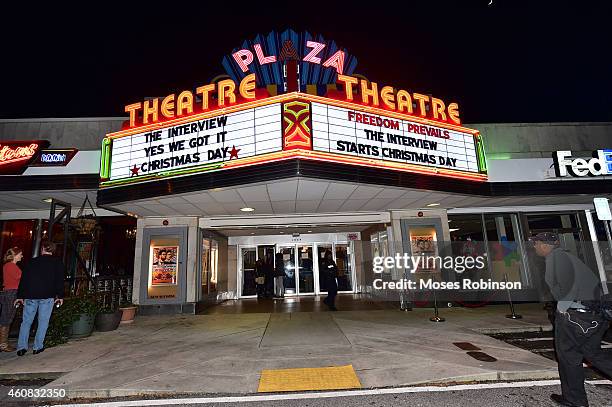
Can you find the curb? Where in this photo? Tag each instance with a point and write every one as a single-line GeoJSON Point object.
{"type": "Point", "coordinates": [485, 377]}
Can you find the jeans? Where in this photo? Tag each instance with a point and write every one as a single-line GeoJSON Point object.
{"type": "Point", "coordinates": [279, 286]}
{"type": "Point", "coordinates": [44, 308]}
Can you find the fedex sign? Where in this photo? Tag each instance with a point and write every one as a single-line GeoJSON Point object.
{"type": "Point", "coordinates": [600, 164]}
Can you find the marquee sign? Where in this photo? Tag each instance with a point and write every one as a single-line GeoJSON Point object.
{"type": "Point", "coordinates": [351, 132]}
{"type": "Point", "coordinates": [198, 143]}
{"type": "Point", "coordinates": [287, 126]}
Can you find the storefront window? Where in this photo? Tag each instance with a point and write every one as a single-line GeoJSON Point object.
{"type": "Point", "coordinates": [17, 233]}
{"type": "Point", "coordinates": [163, 268]}
{"type": "Point", "coordinates": [505, 256]}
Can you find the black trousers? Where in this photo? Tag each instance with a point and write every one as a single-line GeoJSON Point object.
{"type": "Point", "coordinates": [578, 336]}
{"type": "Point", "coordinates": [332, 291]}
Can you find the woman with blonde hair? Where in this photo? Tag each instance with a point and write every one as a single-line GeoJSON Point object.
{"type": "Point", "coordinates": [11, 274]}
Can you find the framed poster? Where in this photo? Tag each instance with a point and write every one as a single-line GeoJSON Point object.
{"type": "Point", "coordinates": [424, 245]}
{"type": "Point", "coordinates": [164, 267]}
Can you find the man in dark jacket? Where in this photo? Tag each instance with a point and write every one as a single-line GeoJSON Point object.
{"type": "Point", "coordinates": [41, 286]}
{"type": "Point", "coordinates": [579, 327]}
{"type": "Point", "coordinates": [330, 272]}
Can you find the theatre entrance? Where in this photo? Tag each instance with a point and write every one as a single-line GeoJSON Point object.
{"type": "Point", "coordinates": [300, 264]}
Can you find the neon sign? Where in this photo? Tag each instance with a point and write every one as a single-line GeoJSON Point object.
{"type": "Point", "coordinates": [317, 59]}
{"type": "Point", "coordinates": [172, 106]}
{"type": "Point", "coordinates": [16, 155]}
{"type": "Point", "coordinates": [368, 93]}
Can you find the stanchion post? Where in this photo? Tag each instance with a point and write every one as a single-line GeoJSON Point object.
{"type": "Point", "coordinates": [436, 317]}
{"type": "Point", "coordinates": [513, 314]}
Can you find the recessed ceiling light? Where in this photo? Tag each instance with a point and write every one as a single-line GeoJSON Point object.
{"type": "Point", "coordinates": [247, 209]}
{"type": "Point", "coordinates": [453, 229]}
{"type": "Point", "coordinates": [310, 231]}
{"type": "Point", "coordinates": [433, 204]}
{"type": "Point", "coordinates": [282, 232]}
{"type": "Point", "coordinates": [48, 200]}
{"type": "Point", "coordinates": [252, 233]}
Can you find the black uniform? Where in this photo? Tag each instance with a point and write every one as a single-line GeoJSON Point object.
{"type": "Point", "coordinates": [579, 328]}
{"type": "Point", "coordinates": [330, 272]}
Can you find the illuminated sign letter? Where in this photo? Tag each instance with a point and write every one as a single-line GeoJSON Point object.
{"type": "Point", "coordinates": [422, 99]}
{"type": "Point", "coordinates": [226, 89]}
{"type": "Point", "coordinates": [366, 93]}
{"type": "Point", "coordinates": [387, 96]}
{"type": "Point", "coordinates": [247, 87]}
{"type": "Point", "coordinates": [184, 102]}
{"type": "Point", "coordinates": [132, 109]}
{"type": "Point", "coordinates": [150, 108]}
{"type": "Point", "coordinates": [260, 56]}
{"type": "Point", "coordinates": [317, 47]}
{"type": "Point", "coordinates": [404, 101]}
{"type": "Point", "coordinates": [453, 112]}
{"type": "Point", "coordinates": [437, 107]}
{"type": "Point", "coordinates": [336, 61]}
{"type": "Point", "coordinates": [205, 92]}
{"type": "Point", "coordinates": [167, 106]}
{"type": "Point", "coordinates": [348, 82]}
{"type": "Point", "coordinates": [243, 58]}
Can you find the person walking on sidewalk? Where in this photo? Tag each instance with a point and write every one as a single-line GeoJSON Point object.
{"type": "Point", "coordinates": [330, 272]}
{"type": "Point", "coordinates": [279, 277]}
{"type": "Point", "coordinates": [11, 274]}
{"type": "Point", "coordinates": [41, 286]}
{"type": "Point", "coordinates": [579, 324]}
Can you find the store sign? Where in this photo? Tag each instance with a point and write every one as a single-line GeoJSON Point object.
{"type": "Point", "coordinates": [600, 164]}
{"type": "Point", "coordinates": [15, 156]}
{"type": "Point", "coordinates": [346, 131]}
{"type": "Point", "coordinates": [205, 143]}
{"type": "Point", "coordinates": [54, 158]}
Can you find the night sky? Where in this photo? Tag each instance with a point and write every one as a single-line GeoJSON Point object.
{"type": "Point", "coordinates": [512, 61]}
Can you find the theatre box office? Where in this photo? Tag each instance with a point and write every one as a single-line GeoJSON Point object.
{"type": "Point", "coordinates": [292, 151]}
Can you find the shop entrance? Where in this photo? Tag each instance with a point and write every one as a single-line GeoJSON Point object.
{"type": "Point", "coordinates": [301, 265]}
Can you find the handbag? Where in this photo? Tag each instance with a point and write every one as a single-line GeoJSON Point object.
{"type": "Point", "coordinates": [260, 280]}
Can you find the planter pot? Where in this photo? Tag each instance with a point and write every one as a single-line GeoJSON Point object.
{"type": "Point", "coordinates": [82, 327]}
{"type": "Point", "coordinates": [128, 314]}
{"type": "Point", "coordinates": [108, 322]}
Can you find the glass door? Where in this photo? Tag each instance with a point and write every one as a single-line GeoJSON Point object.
{"type": "Point", "coordinates": [322, 248]}
{"type": "Point", "coordinates": [290, 278]}
{"type": "Point", "coordinates": [248, 256]}
{"type": "Point", "coordinates": [305, 270]}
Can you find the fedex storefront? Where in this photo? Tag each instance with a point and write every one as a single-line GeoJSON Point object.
{"type": "Point", "coordinates": [293, 152]}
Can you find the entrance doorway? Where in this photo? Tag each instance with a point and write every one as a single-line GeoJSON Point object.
{"type": "Point", "coordinates": [301, 264]}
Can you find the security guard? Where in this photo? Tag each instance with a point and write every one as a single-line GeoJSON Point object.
{"type": "Point", "coordinates": [579, 327]}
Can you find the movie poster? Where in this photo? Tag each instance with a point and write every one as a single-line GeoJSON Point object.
{"type": "Point", "coordinates": [165, 265]}
{"type": "Point", "coordinates": [424, 245]}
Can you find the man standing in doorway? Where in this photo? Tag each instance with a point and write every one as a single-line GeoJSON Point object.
{"type": "Point", "coordinates": [41, 286]}
{"type": "Point", "coordinates": [330, 271]}
{"type": "Point", "coordinates": [579, 325]}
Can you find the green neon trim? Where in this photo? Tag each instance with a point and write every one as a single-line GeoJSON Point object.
{"type": "Point", "coordinates": [105, 158]}
{"type": "Point", "coordinates": [482, 158]}
{"type": "Point", "coordinates": [202, 168]}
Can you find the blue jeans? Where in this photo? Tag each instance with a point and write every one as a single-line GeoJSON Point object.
{"type": "Point", "coordinates": [44, 308]}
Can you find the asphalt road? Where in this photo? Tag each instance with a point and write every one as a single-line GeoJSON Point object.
{"type": "Point", "coordinates": [532, 396]}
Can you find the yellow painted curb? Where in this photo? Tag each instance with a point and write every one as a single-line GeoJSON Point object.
{"type": "Point", "coordinates": [302, 379]}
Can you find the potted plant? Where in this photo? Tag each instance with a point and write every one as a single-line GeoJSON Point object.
{"type": "Point", "coordinates": [83, 311]}
{"type": "Point", "coordinates": [128, 311]}
{"type": "Point", "coordinates": [108, 319]}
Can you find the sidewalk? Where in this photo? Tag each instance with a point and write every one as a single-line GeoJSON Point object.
{"type": "Point", "coordinates": [225, 353]}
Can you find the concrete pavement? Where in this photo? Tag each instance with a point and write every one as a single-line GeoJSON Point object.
{"type": "Point", "coordinates": [225, 353]}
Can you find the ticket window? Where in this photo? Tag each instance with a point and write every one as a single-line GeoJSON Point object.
{"type": "Point", "coordinates": [163, 265]}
